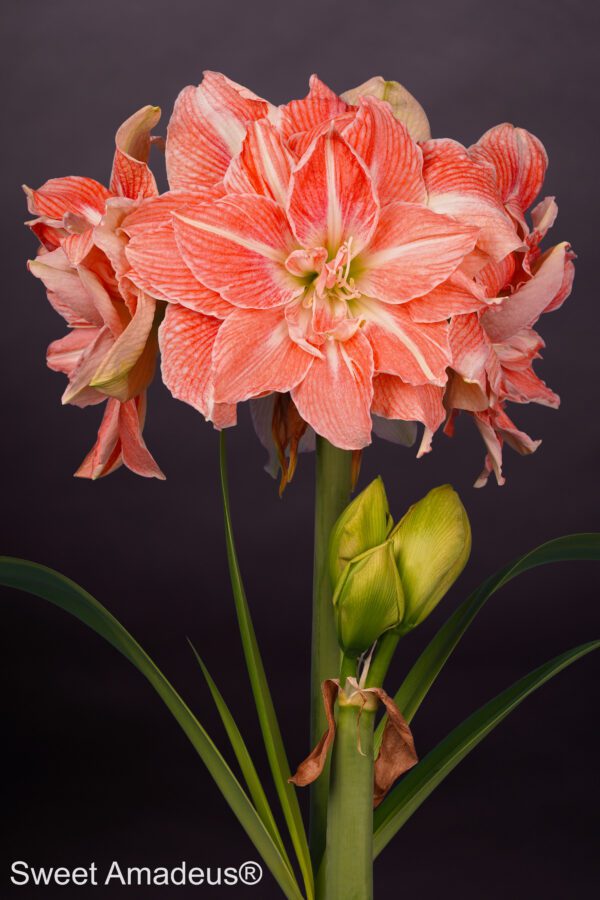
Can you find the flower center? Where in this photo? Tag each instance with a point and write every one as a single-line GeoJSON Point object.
{"type": "Point", "coordinates": [335, 279]}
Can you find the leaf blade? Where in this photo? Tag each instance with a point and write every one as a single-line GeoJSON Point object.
{"type": "Point", "coordinates": [416, 685]}
{"type": "Point", "coordinates": [244, 759]}
{"type": "Point", "coordinates": [62, 592]}
{"type": "Point", "coordinates": [421, 781]}
{"type": "Point", "coordinates": [265, 708]}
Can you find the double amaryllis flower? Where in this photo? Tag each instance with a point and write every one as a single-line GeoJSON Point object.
{"type": "Point", "coordinates": [325, 259]}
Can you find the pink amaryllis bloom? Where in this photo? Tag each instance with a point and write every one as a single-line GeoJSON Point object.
{"type": "Point", "coordinates": [309, 254]}
{"type": "Point", "coordinates": [493, 351]}
{"type": "Point", "coordinates": [110, 351]}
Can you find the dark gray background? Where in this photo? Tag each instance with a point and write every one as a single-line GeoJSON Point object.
{"type": "Point", "coordinates": [97, 770]}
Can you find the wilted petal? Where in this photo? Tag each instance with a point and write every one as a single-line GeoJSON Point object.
{"type": "Point", "coordinates": [131, 176]}
{"type": "Point", "coordinates": [206, 130]}
{"type": "Point", "coordinates": [238, 246]}
{"type": "Point", "coordinates": [335, 396]}
{"type": "Point", "coordinates": [395, 431]}
{"type": "Point", "coordinates": [331, 198]}
{"type": "Point", "coordinates": [412, 251]}
{"type": "Point", "coordinates": [392, 157]}
{"type": "Point", "coordinates": [254, 354]}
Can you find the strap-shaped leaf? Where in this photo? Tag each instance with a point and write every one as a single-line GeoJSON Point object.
{"type": "Point", "coordinates": [418, 784]}
{"type": "Point", "coordinates": [259, 798]}
{"type": "Point", "coordinates": [417, 683]}
{"type": "Point", "coordinates": [267, 717]}
{"type": "Point", "coordinates": [51, 586]}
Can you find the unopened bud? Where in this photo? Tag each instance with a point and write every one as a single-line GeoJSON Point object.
{"type": "Point", "coordinates": [368, 599]}
{"type": "Point", "coordinates": [432, 543]}
{"type": "Point", "coordinates": [404, 106]}
{"type": "Point", "coordinates": [364, 524]}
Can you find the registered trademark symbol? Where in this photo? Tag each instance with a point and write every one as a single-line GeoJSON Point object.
{"type": "Point", "coordinates": [250, 873]}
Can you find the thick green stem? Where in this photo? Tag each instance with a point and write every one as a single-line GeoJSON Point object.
{"type": "Point", "coordinates": [333, 485]}
{"type": "Point", "coordinates": [349, 856]}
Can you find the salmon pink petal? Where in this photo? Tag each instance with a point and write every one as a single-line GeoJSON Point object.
{"type": "Point", "coordinates": [82, 197]}
{"type": "Point", "coordinates": [567, 282]}
{"type": "Point", "coordinates": [320, 105]}
{"type": "Point", "coordinates": [520, 162]}
{"type": "Point", "coordinates": [64, 354]}
{"type": "Point", "coordinates": [79, 391]}
{"type": "Point", "coordinates": [186, 345]}
{"type": "Point", "coordinates": [254, 355]}
{"type": "Point", "coordinates": [394, 399]}
{"type": "Point", "coordinates": [524, 386]}
{"type": "Point", "coordinates": [158, 268]}
{"type": "Point", "coordinates": [264, 164]}
{"type": "Point", "coordinates": [466, 189]}
{"type": "Point", "coordinates": [66, 292]}
{"type": "Point", "coordinates": [206, 130]}
{"type": "Point", "coordinates": [470, 349]}
{"type": "Point", "coordinates": [105, 455]}
{"type": "Point", "coordinates": [493, 459]}
{"type": "Point", "coordinates": [335, 396]}
{"type": "Point", "coordinates": [527, 304]}
{"type": "Point", "coordinates": [418, 353]}
{"type": "Point", "coordinates": [495, 277]}
{"type": "Point", "coordinates": [237, 247]}
{"type": "Point", "coordinates": [156, 212]}
{"type": "Point", "coordinates": [128, 367]}
{"type": "Point", "coordinates": [455, 296]}
{"type": "Point", "coordinates": [392, 157]}
{"type": "Point", "coordinates": [331, 197]}
{"type": "Point", "coordinates": [115, 317]}
{"type": "Point", "coordinates": [77, 246]}
{"type": "Point", "coordinates": [412, 251]}
{"type": "Point", "coordinates": [135, 453]}
{"type": "Point", "coordinates": [131, 176]}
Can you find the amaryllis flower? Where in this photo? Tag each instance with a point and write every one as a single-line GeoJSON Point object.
{"type": "Point", "coordinates": [307, 256]}
{"type": "Point", "coordinates": [111, 348]}
{"type": "Point", "coordinates": [493, 351]}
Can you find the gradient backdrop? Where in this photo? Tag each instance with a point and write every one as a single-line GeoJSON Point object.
{"type": "Point", "coordinates": [97, 770]}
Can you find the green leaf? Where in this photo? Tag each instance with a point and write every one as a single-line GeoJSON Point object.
{"type": "Point", "coordinates": [419, 783]}
{"type": "Point", "coordinates": [417, 683]}
{"type": "Point", "coordinates": [259, 798]}
{"type": "Point", "coordinates": [267, 717]}
{"type": "Point", "coordinates": [51, 586]}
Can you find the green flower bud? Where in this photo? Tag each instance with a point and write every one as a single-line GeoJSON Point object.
{"type": "Point", "coordinates": [368, 599]}
{"type": "Point", "coordinates": [404, 106]}
{"type": "Point", "coordinates": [364, 524]}
{"type": "Point", "coordinates": [431, 545]}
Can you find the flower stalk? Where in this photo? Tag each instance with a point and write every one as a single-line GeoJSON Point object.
{"type": "Point", "coordinates": [349, 855]}
{"type": "Point", "coordinates": [333, 486]}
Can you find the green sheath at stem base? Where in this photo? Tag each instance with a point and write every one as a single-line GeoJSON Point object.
{"type": "Point", "coordinates": [349, 856]}
{"type": "Point", "coordinates": [333, 486]}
